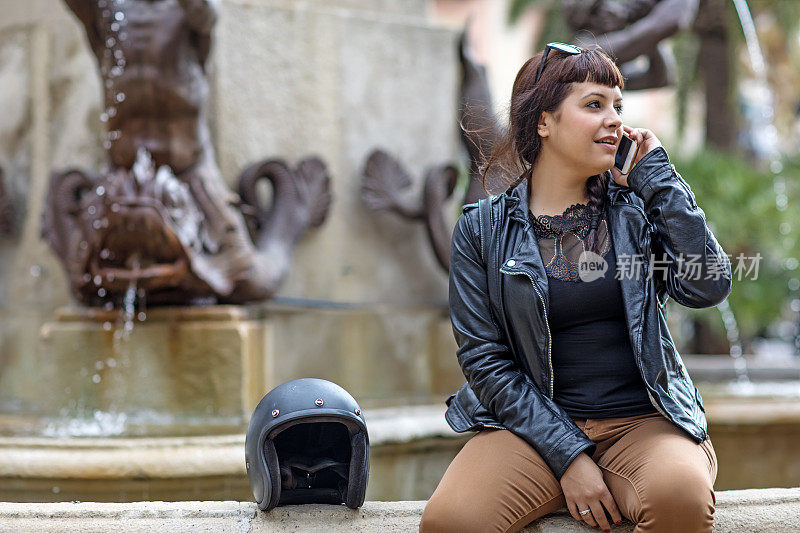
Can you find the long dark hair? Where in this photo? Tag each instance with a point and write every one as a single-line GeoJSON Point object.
{"type": "Point", "coordinates": [516, 150]}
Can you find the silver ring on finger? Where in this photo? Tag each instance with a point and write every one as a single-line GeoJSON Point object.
{"type": "Point", "coordinates": [584, 512]}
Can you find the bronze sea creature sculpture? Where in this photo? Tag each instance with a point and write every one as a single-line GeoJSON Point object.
{"type": "Point", "coordinates": [386, 180]}
{"type": "Point", "coordinates": [159, 217]}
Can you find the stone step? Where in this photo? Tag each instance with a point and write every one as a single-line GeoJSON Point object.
{"type": "Point", "coordinates": [762, 510]}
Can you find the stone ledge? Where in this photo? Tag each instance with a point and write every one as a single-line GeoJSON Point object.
{"type": "Point", "coordinates": [762, 510]}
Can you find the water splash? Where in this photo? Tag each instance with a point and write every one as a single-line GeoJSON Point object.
{"type": "Point", "coordinates": [763, 97]}
{"type": "Point", "coordinates": [732, 332]}
{"type": "Point", "coordinates": [113, 65]}
{"type": "Point", "coordinates": [122, 347]}
{"type": "Point", "coordinates": [143, 168]}
{"type": "Point", "coordinates": [100, 424]}
{"type": "Point", "coordinates": [129, 305]}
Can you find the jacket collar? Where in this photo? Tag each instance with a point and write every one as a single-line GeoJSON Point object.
{"type": "Point", "coordinates": [526, 257]}
{"type": "Point", "coordinates": [517, 197]}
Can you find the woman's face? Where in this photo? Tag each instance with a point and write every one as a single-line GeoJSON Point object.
{"type": "Point", "coordinates": [589, 113]}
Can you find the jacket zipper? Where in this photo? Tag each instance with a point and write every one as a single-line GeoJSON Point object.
{"type": "Point", "coordinates": [546, 324]}
{"type": "Point", "coordinates": [549, 346]}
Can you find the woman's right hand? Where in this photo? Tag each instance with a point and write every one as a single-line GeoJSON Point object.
{"type": "Point", "coordinates": [584, 488]}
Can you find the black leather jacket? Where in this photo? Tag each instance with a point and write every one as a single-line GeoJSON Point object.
{"type": "Point", "coordinates": [504, 340]}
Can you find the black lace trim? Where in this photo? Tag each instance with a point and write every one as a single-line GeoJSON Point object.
{"type": "Point", "coordinates": [562, 239]}
{"type": "Point", "coordinates": [576, 218]}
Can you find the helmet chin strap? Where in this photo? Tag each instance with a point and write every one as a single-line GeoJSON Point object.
{"type": "Point", "coordinates": [300, 471]}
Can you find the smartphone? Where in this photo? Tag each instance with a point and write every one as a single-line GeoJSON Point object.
{"type": "Point", "coordinates": [626, 152]}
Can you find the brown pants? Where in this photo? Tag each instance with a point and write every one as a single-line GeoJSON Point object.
{"type": "Point", "coordinates": [659, 477]}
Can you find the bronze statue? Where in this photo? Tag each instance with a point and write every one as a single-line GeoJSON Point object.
{"type": "Point", "coordinates": [630, 29]}
{"type": "Point", "coordinates": [160, 217]}
{"type": "Point", "coordinates": [385, 179]}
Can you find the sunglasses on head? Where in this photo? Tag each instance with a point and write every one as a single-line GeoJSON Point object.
{"type": "Point", "coordinates": [561, 47]}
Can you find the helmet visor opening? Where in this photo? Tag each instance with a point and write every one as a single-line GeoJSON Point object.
{"type": "Point", "coordinates": [314, 455]}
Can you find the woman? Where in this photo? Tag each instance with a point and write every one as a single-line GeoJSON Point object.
{"type": "Point", "coordinates": [557, 293]}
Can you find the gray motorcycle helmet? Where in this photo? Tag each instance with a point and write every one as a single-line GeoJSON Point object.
{"type": "Point", "coordinates": [307, 442]}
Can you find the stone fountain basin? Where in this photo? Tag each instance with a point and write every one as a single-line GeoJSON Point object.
{"type": "Point", "coordinates": [754, 425]}
{"type": "Point", "coordinates": [754, 428]}
{"type": "Point", "coordinates": [409, 449]}
{"type": "Point", "coordinates": [755, 438]}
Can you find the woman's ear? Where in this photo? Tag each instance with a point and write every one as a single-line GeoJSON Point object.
{"type": "Point", "coordinates": [543, 128]}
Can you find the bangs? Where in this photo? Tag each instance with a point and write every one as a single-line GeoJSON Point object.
{"type": "Point", "coordinates": [593, 66]}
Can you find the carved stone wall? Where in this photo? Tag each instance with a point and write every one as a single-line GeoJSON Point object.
{"type": "Point", "coordinates": [338, 81]}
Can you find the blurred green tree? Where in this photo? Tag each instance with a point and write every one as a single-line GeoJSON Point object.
{"type": "Point", "coordinates": [739, 203]}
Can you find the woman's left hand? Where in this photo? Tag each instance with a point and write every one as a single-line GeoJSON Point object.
{"type": "Point", "coordinates": [647, 142]}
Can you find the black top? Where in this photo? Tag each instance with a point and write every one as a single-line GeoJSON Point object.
{"type": "Point", "coordinates": [595, 374]}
